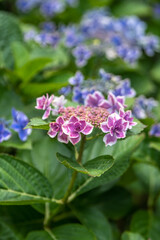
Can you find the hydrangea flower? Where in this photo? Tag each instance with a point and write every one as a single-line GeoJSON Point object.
{"type": "Point", "coordinates": [127, 116]}
{"type": "Point", "coordinates": [124, 89]}
{"type": "Point", "coordinates": [74, 127]}
{"type": "Point", "coordinates": [20, 121]}
{"type": "Point", "coordinates": [155, 130]}
{"type": "Point", "coordinates": [115, 127]}
{"type": "Point", "coordinates": [82, 53]}
{"type": "Point", "coordinates": [77, 79]}
{"type": "Point", "coordinates": [56, 128]}
{"type": "Point", "coordinates": [5, 133]}
{"type": "Point", "coordinates": [113, 103]}
{"type": "Point", "coordinates": [57, 103]}
{"type": "Point", "coordinates": [94, 100]}
{"type": "Point", "coordinates": [44, 104]}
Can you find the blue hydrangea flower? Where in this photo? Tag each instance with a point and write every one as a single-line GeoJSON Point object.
{"type": "Point", "coordinates": [20, 121]}
{"type": "Point", "coordinates": [49, 7]}
{"type": "Point", "coordinates": [82, 53]}
{"type": "Point", "coordinates": [155, 130]}
{"type": "Point", "coordinates": [124, 89]}
{"type": "Point", "coordinates": [143, 107]}
{"type": "Point", "coordinates": [77, 79]}
{"type": "Point", "coordinates": [5, 133]}
{"type": "Point", "coordinates": [104, 75]}
{"type": "Point", "coordinates": [65, 90]}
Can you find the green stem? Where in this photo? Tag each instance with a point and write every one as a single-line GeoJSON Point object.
{"type": "Point", "coordinates": [50, 233]}
{"type": "Point", "coordinates": [47, 215]}
{"type": "Point", "coordinates": [74, 174]}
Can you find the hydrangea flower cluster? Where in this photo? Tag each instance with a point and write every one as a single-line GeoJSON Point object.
{"type": "Point", "coordinates": [47, 36]}
{"type": "Point", "coordinates": [18, 124]}
{"type": "Point", "coordinates": [115, 37]}
{"type": "Point", "coordinates": [48, 8]}
{"type": "Point", "coordinates": [107, 115]}
{"type": "Point", "coordinates": [143, 107]}
{"type": "Point", "coordinates": [155, 130]}
{"type": "Point", "coordinates": [106, 83]}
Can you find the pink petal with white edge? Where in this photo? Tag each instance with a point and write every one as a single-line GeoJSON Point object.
{"type": "Point", "coordinates": [46, 113]}
{"type": "Point", "coordinates": [121, 113]}
{"type": "Point", "coordinates": [105, 104]}
{"type": "Point", "coordinates": [88, 129]}
{"type": "Point", "coordinates": [40, 102]}
{"type": "Point", "coordinates": [111, 98]}
{"type": "Point", "coordinates": [75, 140]}
{"type": "Point", "coordinates": [65, 128]}
{"type": "Point", "coordinates": [52, 133]}
{"type": "Point", "coordinates": [109, 140]}
{"type": "Point", "coordinates": [63, 138]}
{"type": "Point", "coordinates": [104, 127]}
{"type": "Point", "coordinates": [73, 119]}
{"type": "Point", "coordinates": [121, 135]}
{"type": "Point", "coordinates": [74, 134]}
{"type": "Point", "coordinates": [60, 120]}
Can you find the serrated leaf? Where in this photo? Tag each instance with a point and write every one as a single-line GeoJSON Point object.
{"type": "Point", "coordinates": [22, 184]}
{"type": "Point", "coordinates": [64, 232]}
{"type": "Point", "coordinates": [95, 167]}
{"type": "Point", "coordinates": [120, 152]}
{"type": "Point", "coordinates": [131, 236]}
{"type": "Point", "coordinates": [38, 123]}
{"type": "Point", "coordinates": [88, 217]}
{"type": "Point", "coordinates": [146, 224]}
{"type": "Point", "coordinates": [137, 128]}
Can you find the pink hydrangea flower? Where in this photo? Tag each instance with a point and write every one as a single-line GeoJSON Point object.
{"type": "Point", "coordinates": [74, 127]}
{"type": "Point", "coordinates": [56, 128]}
{"type": "Point", "coordinates": [115, 127]}
{"type": "Point", "coordinates": [57, 103]}
{"type": "Point", "coordinates": [44, 104]}
{"type": "Point", "coordinates": [94, 99]}
{"type": "Point", "coordinates": [127, 116]}
{"type": "Point", "coordinates": [113, 103]}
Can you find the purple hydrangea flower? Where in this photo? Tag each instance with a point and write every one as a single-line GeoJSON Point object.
{"type": "Point", "coordinates": [74, 127]}
{"type": "Point", "coordinates": [113, 103]}
{"type": "Point", "coordinates": [77, 79]}
{"type": "Point", "coordinates": [127, 116]}
{"type": "Point", "coordinates": [5, 134]}
{"type": "Point", "coordinates": [44, 104]}
{"type": "Point", "coordinates": [115, 127]}
{"type": "Point", "coordinates": [124, 89]}
{"type": "Point", "coordinates": [94, 100]}
{"type": "Point", "coordinates": [20, 120]}
{"type": "Point", "coordinates": [65, 90]}
{"type": "Point", "coordinates": [82, 53]}
{"type": "Point", "coordinates": [155, 130]}
{"type": "Point", "coordinates": [56, 128]}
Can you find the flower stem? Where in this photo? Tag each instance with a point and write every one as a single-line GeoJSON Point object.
{"type": "Point", "coordinates": [47, 215]}
{"type": "Point", "coordinates": [74, 174]}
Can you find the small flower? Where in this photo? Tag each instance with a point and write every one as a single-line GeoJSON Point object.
{"type": "Point", "coordinates": [124, 89]}
{"type": "Point", "coordinates": [44, 104]}
{"type": "Point", "coordinates": [104, 75]}
{"type": "Point", "coordinates": [58, 102]}
{"type": "Point", "coordinates": [20, 121]}
{"type": "Point", "coordinates": [115, 127]}
{"type": "Point", "coordinates": [94, 100]}
{"type": "Point", "coordinates": [77, 79]}
{"type": "Point", "coordinates": [65, 90]}
{"type": "Point", "coordinates": [155, 130]}
{"type": "Point", "coordinates": [82, 53]}
{"type": "Point", "coordinates": [56, 127]}
{"type": "Point", "coordinates": [74, 127]}
{"type": "Point", "coordinates": [113, 103]}
{"type": "Point", "coordinates": [127, 116]}
{"type": "Point", "coordinates": [5, 134]}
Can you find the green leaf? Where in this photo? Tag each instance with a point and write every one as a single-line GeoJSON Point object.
{"type": "Point", "coordinates": [20, 54]}
{"type": "Point", "coordinates": [22, 184]}
{"type": "Point", "coordinates": [155, 145]}
{"type": "Point", "coordinates": [146, 224]}
{"type": "Point", "coordinates": [95, 167]}
{"type": "Point", "coordinates": [137, 128]}
{"type": "Point", "coordinates": [38, 123]}
{"type": "Point", "coordinates": [31, 68]}
{"type": "Point", "coordinates": [155, 72]}
{"type": "Point", "coordinates": [16, 144]}
{"type": "Point", "coordinates": [125, 7]}
{"type": "Point", "coordinates": [120, 152]}
{"type": "Point", "coordinates": [64, 232]}
{"type": "Point", "coordinates": [131, 236]}
{"type": "Point", "coordinates": [7, 232]}
{"type": "Point", "coordinates": [89, 216]}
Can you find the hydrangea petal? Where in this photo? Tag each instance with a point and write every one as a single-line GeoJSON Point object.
{"type": "Point", "coordinates": [109, 140]}
{"type": "Point", "coordinates": [88, 129]}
